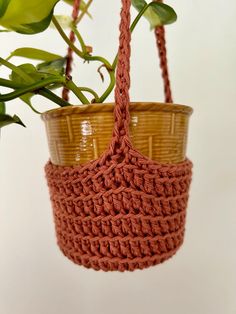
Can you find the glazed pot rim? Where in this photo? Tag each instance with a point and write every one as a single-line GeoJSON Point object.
{"type": "Point", "coordinates": [108, 107]}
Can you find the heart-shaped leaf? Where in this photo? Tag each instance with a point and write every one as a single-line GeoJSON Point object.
{"type": "Point", "coordinates": [26, 16]}
{"type": "Point", "coordinates": [157, 13]}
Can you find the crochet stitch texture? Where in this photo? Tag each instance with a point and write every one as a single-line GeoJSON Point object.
{"type": "Point", "coordinates": [122, 211]}
{"type": "Point", "coordinates": [123, 216]}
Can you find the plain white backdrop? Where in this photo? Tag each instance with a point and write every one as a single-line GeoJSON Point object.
{"type": "Point", "coordinates": [35, 278]}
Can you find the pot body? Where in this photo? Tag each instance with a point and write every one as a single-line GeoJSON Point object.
{"type": "Point", "coordinates": [78, 134]}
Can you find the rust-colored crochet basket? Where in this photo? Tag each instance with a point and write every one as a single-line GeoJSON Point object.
{"type": "Point", "coordinates": [126, 208]}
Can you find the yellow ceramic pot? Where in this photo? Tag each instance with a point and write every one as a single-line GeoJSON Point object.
{"type": "Point", "coordinates": [78, 134]}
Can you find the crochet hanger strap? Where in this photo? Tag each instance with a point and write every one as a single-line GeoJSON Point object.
{"type": "Point", "coordinates": [69, 57]}
{"type": "Point", "coordinates": [161, 45]}
{"type": "Point", "coordinates": [122, 100]}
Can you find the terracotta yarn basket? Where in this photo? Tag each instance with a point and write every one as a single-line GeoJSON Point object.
{"type": "Point", "coordinates": [119, 198]}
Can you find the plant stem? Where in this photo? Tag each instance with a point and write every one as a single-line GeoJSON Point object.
{"type": "Point", "coordinates": [84, 12]}
{"type": "Point", "coordinates": [10, 84]}
{"type": "Point", "coordinates": [50, 95]}
{"type": "Point", "coordinates": [138, 17]}
{"type": "Point", "coordinates": [87, 57]}
{"type": "Point", "coordinates": [114, 64]}
{"type": "Point", "coordinates": [100, 59]}
{"type": "Point", "coordinates": [80, 38]}
{"type": "Point", "coordinates": [76, 90]}
{"type": "Point", "coordinates": [91, 91]}
{"type": "Point", "coordinates": [110, 87]}
{"type": "Point", "coordinates": [43, 92]}
{"type": "Point", "coordinates": [53, 97]}
{"type": "Point", "coordinates": [65, 38]}
{"type": "Point", "coordinates": [32, 88]}
{"type": "Point", "coordinates": [17, 70]}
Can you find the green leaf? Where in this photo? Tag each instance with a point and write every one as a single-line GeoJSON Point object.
{"type": "Point", "coordinates": [54, 67]}
{"type": "Point", "coordinates": [34, 74]}
{"type": "Point", "coordinates": [166, 13]}
{"type": "Point", "coordinates": [35, 54]}
{"type": "Point", "coordinates": [157, 13]}
{"type": "Point", "coordinates": [16, 69]}
{"type": "Point", "coordinates": [27, 100]}
{"type": "Point", "coordinates": [36, 27]}
{"type": "Point", "coordinates": [82, 6]}
{"type": "Point", "coordinates": [44, 70]}
{"type": "Point", "coordinates": [30, 70]}
{"type": "Point", "coordinates": [5, 120]}
{"type": "Point", "coordinates": [65, 21]}
{"type": "Point", "coordinates": [3, 6]}
{"type": "Point", "coordinates": [26, 16]}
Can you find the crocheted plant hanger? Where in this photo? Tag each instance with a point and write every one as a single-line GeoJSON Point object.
{"type": "Point", "coordinates": [161, 45]}
{"type": "Point", "coordinates": [75, 13]}
{"type": "Point", "coordinates": [122, 211]}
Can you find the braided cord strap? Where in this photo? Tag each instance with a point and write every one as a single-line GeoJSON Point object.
{"type": "Point", "coordinates": [120, 142]}
{"type": "Point", "coordinates": [121, 112]}
{"type": "Point", "coordinates": [122, 211]}
{"type": "Point", "coordinates": [161, 45]}
{"type": "Point", "coordinates": [69, 60]}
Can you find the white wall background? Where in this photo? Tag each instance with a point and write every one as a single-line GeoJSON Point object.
{"type": "Point", "coordinates": [34, 276]}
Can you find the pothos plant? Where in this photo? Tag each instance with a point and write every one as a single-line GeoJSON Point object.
{"type": "Point", "coordinates": [26, 80]}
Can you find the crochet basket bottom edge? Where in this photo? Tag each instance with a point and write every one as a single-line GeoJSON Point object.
{"type": "Point", "coordinates": [118, 263]}
{"type": "Point", "coordinates": [120, 218]}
